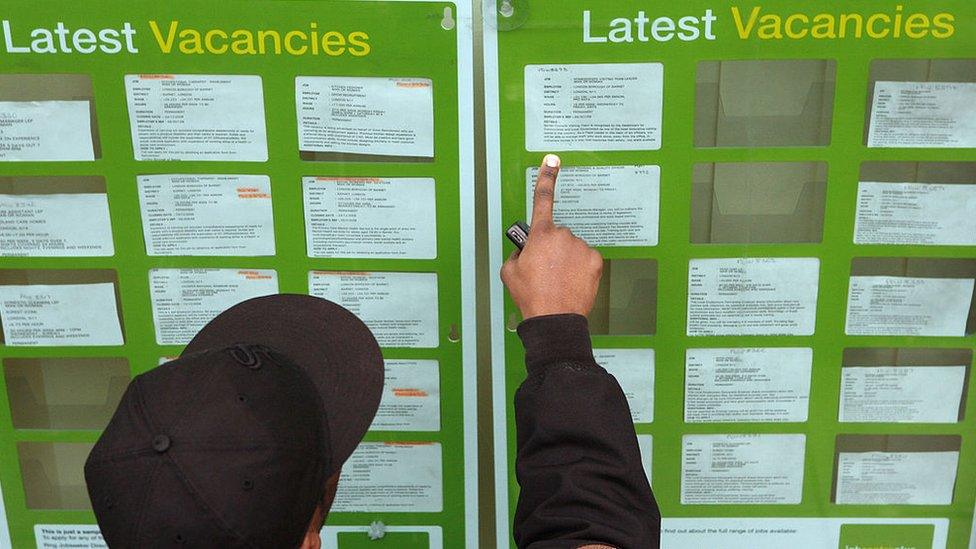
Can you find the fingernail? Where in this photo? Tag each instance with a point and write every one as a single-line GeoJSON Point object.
{"type": "Point", "coordinates": [552, 160]}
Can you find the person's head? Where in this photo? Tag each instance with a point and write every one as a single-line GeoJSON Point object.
{"type": "Point", "coordinates": [241, 440]}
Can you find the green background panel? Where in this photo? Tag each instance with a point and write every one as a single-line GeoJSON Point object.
{"type": "Point", "coordinates": [407, 41]}
{"type": "Point", "coordinates": [554, 36]}
{"type": "Point", "coordinates": [917, 536]}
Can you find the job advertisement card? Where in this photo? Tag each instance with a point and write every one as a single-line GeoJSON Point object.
{"type": "Point", "coordinates": [38, 131]}
{"type": "Point", "coordinates": [753, 296]}
{"type": "Point", "coordinates": [908, 306]}
{"type": "Point", "coordinates": [365, 115]}
{"type": "Point", "coordinates": [634, 371]}
{"type": "Point", "coordinates": [392, 477]}
{"type": "Point", "coordinates": [185, 300]}
{"type": "Point", "coordinates": [399, 308]}
{"type": "Point", "coordinates": [605, 205]}
{"type": "Point", "coordinates": [593, 107]}
{"type": "Point", "coordinates": [60, 314]}
{"type": "Point", "coordinates": [901, 394]}
{"type": "Point", "coordinates": [645, 443]}
{"type": "Point", "coordinates": [411, 398]}
{"type": "Point", "coordinates": [742, 469]}
{"type": "Point", "coordinates": [197, 117]}
{"type": "Point", "coordinates": [55, 225]}
{"type": "Point", "coordinates": [923, 114]}
{"type": "Point", "coordinates": [207, 215]}
{"type": "Point", "coordinates": [896, 478]}
{"type": "Point", "coordinates": [924, 214]}
{"type": "Point", "coordinates": [364, 217]}
{"type": "Point", "coordinates": [747, 385]}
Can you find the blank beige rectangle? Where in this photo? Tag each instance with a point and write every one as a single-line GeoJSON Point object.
{"type": "Point", "coordinates": [64, 393]}
{"type": "Point", "coordinates": [763, 202]}
{"type": "Point", "coordinates": [53, 474]}
{"type": "Point", "coordinates": [626, 302]}
{"type": "Point", "coordinates": [942, 173]}
{"type": "Point", "coordinates": [68, 184]}
{"type": "Point", "coordinates": [764, 103]}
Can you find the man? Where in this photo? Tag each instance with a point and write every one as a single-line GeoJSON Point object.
{"type": "Point", "coordinates": [578, 463]}
{"type": "Point", "coordinates": [240, 441]}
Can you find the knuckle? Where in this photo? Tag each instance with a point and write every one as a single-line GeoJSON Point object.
{"type": "Point", "coordinates": [597, 259]}
{"type": "Point", "coordinates": [547, 173]}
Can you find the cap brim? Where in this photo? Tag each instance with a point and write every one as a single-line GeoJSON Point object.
{"type": "Point", "coordinates": [334, 347]}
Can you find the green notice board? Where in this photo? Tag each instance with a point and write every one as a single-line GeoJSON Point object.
{"type": "Point", "coordinates": [792, 323]}
{"type": "Point", "coordinates": [161, 162]}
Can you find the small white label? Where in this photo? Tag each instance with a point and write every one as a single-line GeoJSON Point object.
{"type": "Point", "coordinates": [197, 117]}
{"type": "Point", "coordinates": [68, 536]}
{"type": "Point", "coordinates": [594, 107]}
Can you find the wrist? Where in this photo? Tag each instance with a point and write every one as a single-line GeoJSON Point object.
{"type": "Point", "coordinates": [554, 338]}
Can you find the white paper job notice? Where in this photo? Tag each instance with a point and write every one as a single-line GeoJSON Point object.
{"type": "Point", "coordinates": [605, 205]}
{"type": "Point", "coordinates": [411, 397]}
{"type": "Point", "coordinates": [923, 114]}
{"type": "Point", "coordinates": [594, 107]}
{"type": "Point", "coordinates": [205, 215]}
{"type": "Point", "coordinates": [365, 217]}
{"type": "Point", "coordinates": [753, 296]}
{"type": "Point", "coordinates": [197, 117]}
{"type": "Point", "coordinates": [60, 314]}
{"type": "Point", "coordinates": [742, 469]}
{"type": "Point", "coordinates": [375, 116]}
{"type": "Point", "coordinates": [399, 308]}
{"type": "Point", "coordinates": [185, 300]}
{"type": "Point", "coordinates": [393, 477]}
{"type": "Point", "coordinates": [55, 225]}
{"type": "Point", "coordinates": [45, 131]}
{"type": "Point", "coordinates": [634, 371]}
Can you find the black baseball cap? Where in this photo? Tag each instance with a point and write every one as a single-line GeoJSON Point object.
{"type": "Point", "coordinates": [230, 445]}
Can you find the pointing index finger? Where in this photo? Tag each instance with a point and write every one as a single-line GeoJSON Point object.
{"type": "Point", "coordinates": [545, 190]}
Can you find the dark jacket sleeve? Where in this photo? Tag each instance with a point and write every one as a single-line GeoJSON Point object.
{"type": "Point", "coordinates": [577, 463]}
